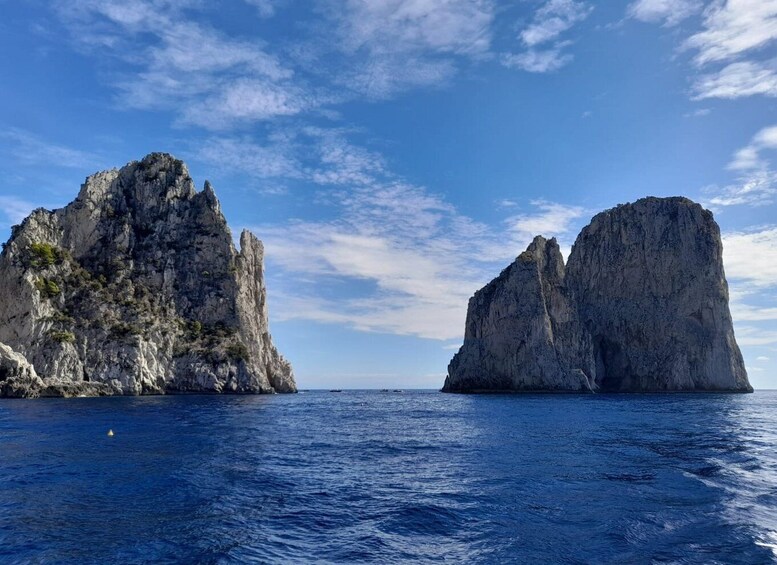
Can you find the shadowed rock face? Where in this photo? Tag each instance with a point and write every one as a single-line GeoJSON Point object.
{"type": "Point", "coordinates": [642, 306]}
{"type": "Point", "coordinates": [522, 332]}
{"type": "Point", "coordinates": [136, 287]}
{"type": "Point", "coordinates": [650, 288]}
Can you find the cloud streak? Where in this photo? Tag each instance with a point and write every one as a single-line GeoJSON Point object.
{"type": "Point", "coordinates": [737, 80]}
{"type": "Point", "coordinates": [734, 28]}
{"type": "Point", "coordinates": [15, 209]}
{"type": "Point", "coordinates": [385, 47]}
{"type": "Point", "coordinates": [30, 149]}
{"type": "Point", "coordinates": [409, 258]}
{"type": "Point", "coordinates": [165, 58]}
{"type": "Point", "coordinates": [544, 51]}
{"type": "Point", "coordinates": [751, 257]}
{"type": "Point", "coordinates": [731, 31]}
{"type": "Point", "coordinates": [756, 184]}
{"type": "Point", "coordinates": [667, 12]}
{"type": "Point", "coordinates": [173, 63]}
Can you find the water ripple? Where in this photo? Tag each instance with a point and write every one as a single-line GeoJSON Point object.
{"type": "Point", "coordinates": [366, 477]}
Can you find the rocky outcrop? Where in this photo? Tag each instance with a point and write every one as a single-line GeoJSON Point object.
{"type": "Point", "coordinates": [18, 378]}
{"type": "Point", "coordinates": [649, 284]}
{"type": "Point", "coordinates": [522, 332]}
{"type": "Point", "coordinates": [136, 287]}
{"type": "Point", "coordinates": [642, 307]}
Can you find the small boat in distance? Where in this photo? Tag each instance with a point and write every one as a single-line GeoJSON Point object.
{"type": "Point", "coordinates": [336, 390]}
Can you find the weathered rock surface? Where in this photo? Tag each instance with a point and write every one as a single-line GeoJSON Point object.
{"type": "Point", "coordinates": [649, 284]}
{"type": "Point", "coordinates": [18, 378]}
{"type": "Point", "coordinates": [641, 307]}
{"type": "Point", "coordinates": [136, 287]}
{"type": "Point", "coordinates": [522, 332]}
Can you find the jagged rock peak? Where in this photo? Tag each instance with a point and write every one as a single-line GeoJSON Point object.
{"type": "Point", "coordinates": [641, 306]}
{"type": "Point", "coordinates": [136, 288]}
{"type": "Point", "coordinates": [166, 177]}
{"type": "Point", "coordinates": [522, 334]}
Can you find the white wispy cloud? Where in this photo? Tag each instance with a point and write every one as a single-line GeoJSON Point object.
{"type": "Point", "coordinates": [422, 257]}
{"type": "Point", "coordinates": [750, 260]}
{"type": "Point", "coordinates": [30, 149]}
{"type": "Point", "coordinates": [750, 302]}
{"type": "Point", "coordinates": [668, 12]}
{"type": "Point", "coordinates": [749, 313]}
{"type": "Point", "coordinates": [15, 209]}
{"type": "Point", "coordinates": [247, 100]}
{"type": "Point", "coordinates": [733, 28]}
{"type": "Point", "coordinates": [534, 61]}
{"type": "Point", "coordinates": [384, 47]}
{"type": "Point", "coordinates": [174, 63]}
{"type": "Point", "coordinates": [544, 51]}
{"type": "Point", "coordinates": [734, 34]}
{"type": "Point", "coordinates": [552, 19]}
{"type": "Point", "coordinates": [755, 336]}
{"type": "Point", "coordinates": [755, 188]}
{"type": "Point", "coordinates": [264, 161]}
{"type": "Point", "coordinates": [549, 218]}
{"type": "Point", "coordinates": [450, 26]}
{"type": "Point", "coordinates": [737, 80]}
{"type": "Point", "coordinates": [266, 8]}
{"type": "Point", "coordinates": [757, 181]}
{"type": "Point", "coordinates": [751, 156]}
{"type": "Point", "coordinates": [341, 162]}
{"type": "Point", "coordinates": [350, 49]}
{"type": "Point", "coordinates": [419, 257]}
{"type": "Point", "coordinates": [728, 49]}
{"type": "Point", "coordinates": [750, 257]}
{"type": "Point", "coordinates": [700, 113]}
{"type": "Point", "coordinates": [162, 56]}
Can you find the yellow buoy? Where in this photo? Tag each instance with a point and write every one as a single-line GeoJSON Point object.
{"type": "Point", "coordinates": [110, 433]}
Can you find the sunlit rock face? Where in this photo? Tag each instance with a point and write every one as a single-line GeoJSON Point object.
{"type": "Point", "coordinates": [523, 333]}
{"type": "Point", "coordinates": [642, 306]}
{"type": "Point", "coordinates": [136, 287]}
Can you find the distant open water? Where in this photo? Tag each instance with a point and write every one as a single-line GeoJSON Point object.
{"type": "Point", "coordinates": [390, 478]}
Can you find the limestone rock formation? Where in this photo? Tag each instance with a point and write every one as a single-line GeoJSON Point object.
{"type": "Point", "coordinates": [18, 378]}
{"type": "Point", "coordinates": [136, 287]}
{"type": "Point", "coordinates": [641, 307]}
{"type": "Point", "coordinates": [522, 332]}
{"type": "Point", "coordinates": [649, 284]}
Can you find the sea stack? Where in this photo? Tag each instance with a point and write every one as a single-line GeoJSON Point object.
{"type": "Point", "coordinates": [642, 306]}
{"type": "Point", "coordinates": [522, 331]}
{"type": "Point", "coordinates": [136, 287]}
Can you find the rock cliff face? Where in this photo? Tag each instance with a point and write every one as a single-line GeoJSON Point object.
{"type": "Point", "coordinates": [136, 287]}
{"type": "Point", "coordinates": [649, 283]}
{"type": "Point", "coordinates": [18, 378]}
{"type": "Point", "coordinates": [523, 333]}
{"type": "Point", "coordinates": [642, 307]}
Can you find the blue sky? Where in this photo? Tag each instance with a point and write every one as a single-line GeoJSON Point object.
{"type": "Point", "coordinates": [395, 155]}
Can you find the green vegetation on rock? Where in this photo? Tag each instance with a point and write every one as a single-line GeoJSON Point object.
{"type": "Point", "coordinates": [62, 336]}
{"type": "Point", "coordinates": [42, 255]}
{"type": "Point", "coordinates": [47, 287]}
{"type": "Point", "coordinates": [238, 351]}
{"type": "Point", "coordinates": [59, 318]}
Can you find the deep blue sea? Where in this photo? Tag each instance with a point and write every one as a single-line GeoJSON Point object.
{"type": "Point", "coordinates": [418, 476]}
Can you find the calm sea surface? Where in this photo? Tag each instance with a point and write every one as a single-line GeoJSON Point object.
{"type": "Point", "coordinates": [389, 478]}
